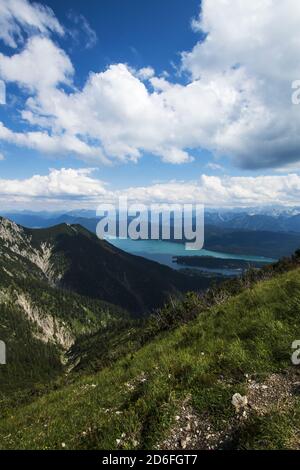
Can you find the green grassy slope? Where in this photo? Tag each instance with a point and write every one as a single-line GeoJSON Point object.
{"type": "Point", "coordinates": [134, 402]}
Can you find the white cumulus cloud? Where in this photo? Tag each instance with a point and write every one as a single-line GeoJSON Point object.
{"type": "Point", "coordinates": [17, 16]}
{"type": "Point", "coordinates": [61, 183]}
{"type": "Point", "coordinates": [40, 66]}
{"type": "Point", "coordinates": [236, 103]}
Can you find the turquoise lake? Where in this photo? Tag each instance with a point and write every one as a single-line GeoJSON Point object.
{"type": "Point", "coordinates": [164, 251]}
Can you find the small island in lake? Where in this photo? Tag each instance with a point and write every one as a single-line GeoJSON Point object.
{"type": "Point", "coordinates": [209, 262]}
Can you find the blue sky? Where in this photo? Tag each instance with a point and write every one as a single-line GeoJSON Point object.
{"type": "Point", "coordinates": [163, 100]}
{"type": "Point", "coordinates": [137, 32]}
{"type": "Point", "coordinates": [132, 32]}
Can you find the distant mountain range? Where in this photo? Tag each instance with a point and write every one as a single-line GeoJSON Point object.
{"type": "Point", "coordinates": [283, 222]}
{"type": "Point", "coordinates": [273, 233]}
{"type": "Point", "coordinates": [274, 220]}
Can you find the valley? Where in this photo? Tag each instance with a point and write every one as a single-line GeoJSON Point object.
{"type": "Point", "coordinates": [168, 381]}
{"type": "Point", "coordinates": [92, 331]}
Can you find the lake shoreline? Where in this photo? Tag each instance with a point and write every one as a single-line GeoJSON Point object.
{"type": "Point", "coordinates": [167, 253]}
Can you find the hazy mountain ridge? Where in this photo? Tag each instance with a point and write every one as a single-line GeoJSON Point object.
{"type": "Point", "coordinates": [277, 219]}
{"type": "Point", "coordinates": [273, 221]}
{"type": "Point", "coordinates": [270, 233]}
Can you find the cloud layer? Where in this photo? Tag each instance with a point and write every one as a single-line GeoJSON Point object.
{"type": "Point", "coordinates": [237, 101]}
{"type": "Point", "coordinates": [78, 188]}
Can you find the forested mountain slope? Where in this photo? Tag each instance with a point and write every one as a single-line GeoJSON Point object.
{"type": "Point", "coordinates": [71, 257]}
{"type": "Point", "coordinates": [58, 286]}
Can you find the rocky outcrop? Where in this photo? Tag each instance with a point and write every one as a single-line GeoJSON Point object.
{"type": "Point", "coordinates": [17, 241]}
{"type": "Point", "coordinates": [48, 328]}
